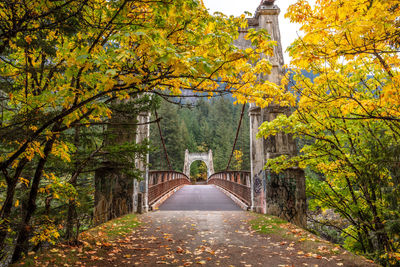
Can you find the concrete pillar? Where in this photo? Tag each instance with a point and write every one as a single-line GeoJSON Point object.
{"type": "Point", "coordinates": [116, 193]}
{"type": "Point", "coordinates": [283, 194]}
{"type": "Point", "coordinates": [143, 133]}
{"type": "Point", "coordinates": [210, 163]}
{"type": "Point", "coordinates": [186, 164]}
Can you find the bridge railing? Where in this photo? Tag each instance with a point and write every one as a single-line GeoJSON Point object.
{"type": "Point", "coordinates": [235, 182]}
{"type": "Point", "coordinates": [161, 182]}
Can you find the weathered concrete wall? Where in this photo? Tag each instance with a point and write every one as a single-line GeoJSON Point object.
{"type": "Point", "coordinates": [113, 194]}
{"type": "Point", "coordinates": [284, 194]}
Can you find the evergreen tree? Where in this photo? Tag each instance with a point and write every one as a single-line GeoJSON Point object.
{"type": "Point", "coordinates": [175, 135]}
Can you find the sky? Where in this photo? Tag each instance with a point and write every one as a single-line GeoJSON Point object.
{"type": "Point", "coordinates": [289, 31]}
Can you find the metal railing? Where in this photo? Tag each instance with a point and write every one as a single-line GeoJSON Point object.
{"type": "Point", "coordinates": [236, 182]}
{"type": "Point", "coordinates": [161, 182]}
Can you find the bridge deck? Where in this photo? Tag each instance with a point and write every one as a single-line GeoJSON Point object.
{"type": "Point", "coordinates": [199, 197]}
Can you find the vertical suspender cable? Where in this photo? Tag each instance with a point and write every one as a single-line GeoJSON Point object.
{"type": "Point", "coordinates": [237, 134]}
{"type": "Point", "coordinates": [162, 140]}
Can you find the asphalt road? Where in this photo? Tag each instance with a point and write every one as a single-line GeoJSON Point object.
{"type": "Point", "coordinates": [199, 197]}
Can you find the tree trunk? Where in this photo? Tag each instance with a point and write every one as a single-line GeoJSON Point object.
{"type": "Point", "coordinates": [24, 231]}
{"type": "Point", "coordinates": [7, 205]}
{"type": "Point", "coordinates": [71, 204]}
{"type": "Point", "coordinates": [70, 220]}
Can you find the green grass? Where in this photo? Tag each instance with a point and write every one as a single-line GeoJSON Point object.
{"type": "Point", "coordinates": [267, 224]}
{"type": "Point", "coordinates": [271, 225]}
{"type": "Point", "coordinates": [307, 241]}
{"type": "Point", "coordinates": [115, 228]}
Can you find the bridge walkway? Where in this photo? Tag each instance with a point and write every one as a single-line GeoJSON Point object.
{"type": "Point", "coordinates": [201, 198]}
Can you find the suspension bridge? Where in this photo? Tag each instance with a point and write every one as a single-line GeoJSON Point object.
{"type": "Point", "coordinates": [235, 189]}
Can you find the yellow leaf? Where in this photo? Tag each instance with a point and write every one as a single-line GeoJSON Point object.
{"type": "Point", "coordinates": [28, 39]}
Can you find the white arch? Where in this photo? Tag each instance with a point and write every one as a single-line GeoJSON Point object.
{"type": "Point", "coordinates": [207, 158]}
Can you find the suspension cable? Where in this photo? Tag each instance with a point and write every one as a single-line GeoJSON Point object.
{"type": "Point", "coordinates": [162, 140]}
{"type": "Point", "coordinates": [237, 135]}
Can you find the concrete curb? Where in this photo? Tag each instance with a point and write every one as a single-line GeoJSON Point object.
{"type": "Point", "coordinates": [240, 203]}
{"type": "Point", "coordinates": [161, 200]}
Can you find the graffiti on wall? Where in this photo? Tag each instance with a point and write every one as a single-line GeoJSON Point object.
{"type": "Point", "coordinates": [259, 182]}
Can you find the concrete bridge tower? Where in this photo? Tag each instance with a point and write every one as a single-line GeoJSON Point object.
{"type": "Point", "coordinates": [206, 157]}
{"type": "Point", "coordinates": [277, 194]}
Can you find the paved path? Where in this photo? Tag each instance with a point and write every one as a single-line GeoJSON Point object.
{"type": "Point", "coordinates": [199, 197]}
{"type": "Point", "coordinates": [200, 226]}
{"type": "Point", "coordinates": [212, 238]}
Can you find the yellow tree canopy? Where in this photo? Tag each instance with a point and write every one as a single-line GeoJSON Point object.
{"type": "Point", "coordinates": [351, 42]}
{"type": "Point", "coordinates": [63, 61]}
{"type": "Point", "coordinates": [347, 116]}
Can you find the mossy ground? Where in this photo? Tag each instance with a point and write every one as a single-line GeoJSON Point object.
{"type": "Point", "coordinates": [96, 241]}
